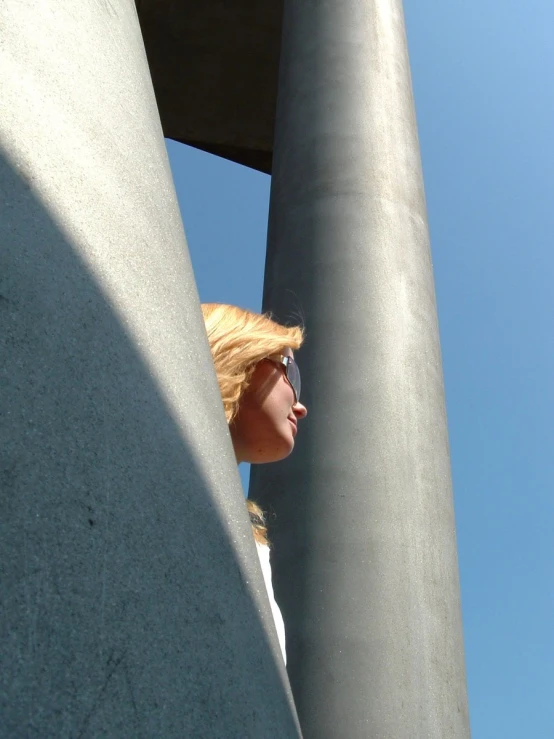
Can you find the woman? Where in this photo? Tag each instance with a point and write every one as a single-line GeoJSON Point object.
{"type": "Point", "coordinates": [260, 387]}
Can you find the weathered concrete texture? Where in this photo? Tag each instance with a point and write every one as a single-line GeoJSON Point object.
{"type": "Point", "coordinates": [365, 564]}
{"type": "Point", "coordinates": [132, 601]}
{"type": "Point", "coordinates": [214, 67]}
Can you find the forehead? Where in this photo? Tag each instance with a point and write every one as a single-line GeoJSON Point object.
{"type": "Point", "coordinates": [287, 352]}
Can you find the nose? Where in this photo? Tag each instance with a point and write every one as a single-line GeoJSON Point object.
{"type": "Point", "coordinates": [299, 410]}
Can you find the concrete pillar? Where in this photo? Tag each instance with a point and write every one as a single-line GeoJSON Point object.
{"type": "Point", "coordinates": [132, 600]}
{"type": "Point", "coordinates": [365, 562]}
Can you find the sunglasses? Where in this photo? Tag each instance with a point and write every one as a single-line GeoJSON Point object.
{"type": "Point", "coordinates": [292, 373]}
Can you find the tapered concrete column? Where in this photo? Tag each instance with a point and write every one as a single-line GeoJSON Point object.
{"type": "Point", "coordinates": [364, 542]}
{"type": "Point", "coordinates": [132, 601]}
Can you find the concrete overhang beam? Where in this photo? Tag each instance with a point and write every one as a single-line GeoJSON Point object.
{"type": "Point", "coordinates": [214, 67]}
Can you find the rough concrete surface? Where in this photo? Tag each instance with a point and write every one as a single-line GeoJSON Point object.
{"type": "Point", "coordinates": [132, 600]}
{"type": "Point", "coordinates": [365, 564]}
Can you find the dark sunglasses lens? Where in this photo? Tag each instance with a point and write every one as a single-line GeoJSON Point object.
{"type": "Point", "coordinates": [293, 374]}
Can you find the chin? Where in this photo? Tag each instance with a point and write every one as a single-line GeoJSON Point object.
{"type": "Point", "coordinates": [276, 454]}
{"type": "Point", "coordinates": [284, 452]}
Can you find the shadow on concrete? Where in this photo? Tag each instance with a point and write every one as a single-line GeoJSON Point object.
{"type": "Point", "coordinates": [124, 610]}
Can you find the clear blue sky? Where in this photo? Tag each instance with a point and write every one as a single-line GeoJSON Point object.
{"type": "Point", "coordinates": [483, 74]}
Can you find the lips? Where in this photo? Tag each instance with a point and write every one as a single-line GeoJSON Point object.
{"type": "Point", "coordinates": [294, 425]}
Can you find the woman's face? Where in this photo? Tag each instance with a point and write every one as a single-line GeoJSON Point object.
{"type": "Point", "coordinates": [266, 423]}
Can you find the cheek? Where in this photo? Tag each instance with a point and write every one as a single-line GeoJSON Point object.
{"type": "Point", "coordinates": [266, 422]}
{"type": "Point", "coordinates": [276, 407]}
{"type": "Point", "coordinates": [269, 398]}
{"type": "Point", "coordinates": [253, 422]}
{"type": "Point", "coordinates": [265, 419]}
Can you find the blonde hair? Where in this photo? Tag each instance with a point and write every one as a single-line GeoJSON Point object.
{"type": "Point", "coordinates": [239, 339]}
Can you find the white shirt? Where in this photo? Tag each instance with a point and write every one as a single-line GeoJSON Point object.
{"type": "Point", "coordinates": [263, 554]}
